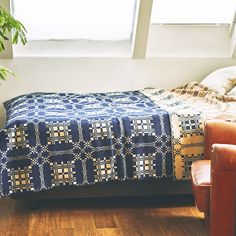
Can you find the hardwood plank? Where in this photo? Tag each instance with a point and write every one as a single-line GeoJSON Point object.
{"type": "Point", "coordinates": [38, 224]}
{"type": "Point", "coordinates": [150, 224]}
{"type": "Point", "coordinates": [108, 232]}
{"type": "Point", "coordinates": [163, 216]}
{"type": "Point", "coordinates": [126, 222]}
{"type": "Point", "coordinates": [85, 231]}
{"type": "Point", "coordinates": [178, 220]}
{"type": "Point", "coordinates": [82, 219]}
{"type": "Point", "coordinates": [18, 220]}
{"type": "Point", "coordinates": [5, 215]}
{"type": "Point", "coordinates": [104, 219]}
{"type": "Point", "coordinates": [62, 232]}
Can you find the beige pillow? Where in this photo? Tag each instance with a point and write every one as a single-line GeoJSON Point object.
{"type": "Point", "coordinates": [232, 92]}
{"type": "Point", "coordinates": [222, 80]}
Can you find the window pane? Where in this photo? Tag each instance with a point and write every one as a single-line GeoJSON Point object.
{"type": "Point", "coordinates": [193, 11]}
{"type": "Point", "coordinates": [76, 19]}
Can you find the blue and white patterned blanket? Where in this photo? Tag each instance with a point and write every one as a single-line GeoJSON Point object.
{"type": "Point", "coordinates": [77, 139]}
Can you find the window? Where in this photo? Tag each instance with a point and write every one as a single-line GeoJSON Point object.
{"type": "Point", "coordinates": [193, 11]}
{"type": "Point", "coordinates": [76, 19]}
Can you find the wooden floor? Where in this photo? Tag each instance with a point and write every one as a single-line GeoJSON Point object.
{"type": "Point", "coordinates": [166, 215]}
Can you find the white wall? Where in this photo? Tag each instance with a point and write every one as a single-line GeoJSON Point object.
{"type": "Point", "coordinates": [102, 74]}
{"type": "Point", "coordinates": [189, 41]}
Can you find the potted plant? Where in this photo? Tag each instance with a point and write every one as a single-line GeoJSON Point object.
{"type": "Point", "coordinates": [9, 26]}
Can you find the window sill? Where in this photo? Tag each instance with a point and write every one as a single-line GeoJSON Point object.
{"type": "Point", "coordinates": [73, 48]}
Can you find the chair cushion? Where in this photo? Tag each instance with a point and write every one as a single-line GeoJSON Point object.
{"type": "Point", "coordinates": [201, 181]}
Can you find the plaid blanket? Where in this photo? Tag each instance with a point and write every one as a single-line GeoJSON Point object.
{"type": "Point", "coordinates": [188, 107]}
{"type": "Point", "coordinates": [194, 89]}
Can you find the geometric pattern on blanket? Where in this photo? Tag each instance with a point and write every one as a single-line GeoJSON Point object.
{"type": "Point", "coordinates": [187, 142]}
{"type": "Point", "coordinates": [188, 107]}
{"type": "Point", "coordinates": [55, 139]}
{"type": "Point", "coordinates": [187, 130]}
{"type": "Point", "coordinates": [51, 149]}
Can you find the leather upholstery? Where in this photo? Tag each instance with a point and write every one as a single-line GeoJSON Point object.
{"type": "Point", "coordinates": [218, 131]}
{"type": "Point", "coordinates": [214, 181]}
{"type": "Point", "coordinates": [224, 157]}
{"type": "Point", "coordinates": [223, 190]}
{"type": "Point", "coordinates": [201, 184]}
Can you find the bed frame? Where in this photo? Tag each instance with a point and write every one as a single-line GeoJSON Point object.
{"type": "Point", "coordinates": [149, 187]}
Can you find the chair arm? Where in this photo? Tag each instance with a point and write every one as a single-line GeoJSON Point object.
{"type": "Point", "coordinates": [223, 157]}
{"type": "Point", "coordinates": [218, 131]}
{"type": "Point", "coordinates": [223, 190]}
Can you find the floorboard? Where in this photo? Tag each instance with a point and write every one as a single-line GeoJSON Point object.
{"type": "Point", "coordinates": [141, 216]}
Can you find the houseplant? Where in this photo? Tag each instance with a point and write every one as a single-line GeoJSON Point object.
{"type": "Point", "coordinates": [9, 26]}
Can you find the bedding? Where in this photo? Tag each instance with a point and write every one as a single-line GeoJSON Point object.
{"type": "Point", "coordinates": [232, 92]}
{"type": "Point", "coordinates": [221, 80]}
{"type": "Point", "coordinates": [58, 139]}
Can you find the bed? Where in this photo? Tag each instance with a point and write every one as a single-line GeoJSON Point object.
{"type": "Point", "coordinates": [105, 144]}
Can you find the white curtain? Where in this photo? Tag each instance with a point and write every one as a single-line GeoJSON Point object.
{"type": "Point", "coordinates": [76, 19]}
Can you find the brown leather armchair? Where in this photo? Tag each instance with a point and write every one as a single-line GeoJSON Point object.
{"type": "Point", "coordinates": [214, 179]}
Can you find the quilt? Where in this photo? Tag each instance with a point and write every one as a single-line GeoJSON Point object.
{"type": "Point", "coordinates": [62, 139]}
{"type": "Point", "coordinates": [77, 139]}
{"type": "Point", "coordinates": [189, 106]}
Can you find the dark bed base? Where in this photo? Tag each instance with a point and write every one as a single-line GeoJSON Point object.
{"type": "Point", "coordinates": [127, 188]}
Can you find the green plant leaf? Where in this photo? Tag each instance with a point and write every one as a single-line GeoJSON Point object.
{"type": "Point", "coordinates": [9, 25]}
{"type": "Point", "coordinates": [3, 36]}
{"type": "Point", "coordinates": [4, 73]}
